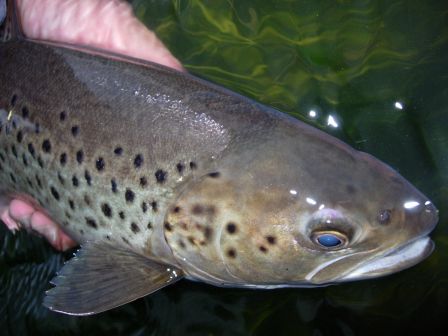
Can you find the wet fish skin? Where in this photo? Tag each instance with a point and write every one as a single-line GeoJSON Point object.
{"type": "Point", "coordinates": [190, 175]}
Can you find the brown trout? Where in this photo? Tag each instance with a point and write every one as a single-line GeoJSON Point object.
{"type": "Point", "coordinates": [160, 175]}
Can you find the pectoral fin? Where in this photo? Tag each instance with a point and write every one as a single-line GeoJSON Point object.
{"type": "Point", "coordinates": [102, 276]}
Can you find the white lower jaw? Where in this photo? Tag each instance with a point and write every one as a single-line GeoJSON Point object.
{"type": "Point", "coordinates": [397, 260]}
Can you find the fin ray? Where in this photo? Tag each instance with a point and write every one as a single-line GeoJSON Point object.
{"type": "Point", "coordinates": [103, 276]}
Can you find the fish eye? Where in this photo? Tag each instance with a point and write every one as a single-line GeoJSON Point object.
{"type": "Point", "coordinates": [329, 239]}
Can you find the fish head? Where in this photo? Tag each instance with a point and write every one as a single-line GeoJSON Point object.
{"type": "Point", "coordinates": [289, 212]}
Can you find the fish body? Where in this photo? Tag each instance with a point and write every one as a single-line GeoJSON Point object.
{"type": "Point", "coordinates": [159, 174]}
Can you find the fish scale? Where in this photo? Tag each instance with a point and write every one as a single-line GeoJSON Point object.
{"type": "Point", "coordinates": [160, 175]}
{"type": "Point", "coordinates": [81, 163]}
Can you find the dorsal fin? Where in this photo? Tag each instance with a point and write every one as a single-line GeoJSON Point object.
{"type": "Point", "coordinates": [10, 28]}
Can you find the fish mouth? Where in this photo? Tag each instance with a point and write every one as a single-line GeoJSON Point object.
{"type": "Point", "coordinates": [392, 261]}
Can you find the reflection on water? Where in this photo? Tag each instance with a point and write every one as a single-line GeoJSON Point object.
{"type": "Point", "coordinates": [370, 73]}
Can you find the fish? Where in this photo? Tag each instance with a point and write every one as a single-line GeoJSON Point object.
{"type": "Point", "coordinates": [160, 175]}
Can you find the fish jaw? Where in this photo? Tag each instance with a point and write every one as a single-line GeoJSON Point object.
{"type": "Point", "coordinates": [393, 261]}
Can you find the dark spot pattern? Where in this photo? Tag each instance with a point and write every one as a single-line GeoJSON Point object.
{"type": "Point", "coordinates": [63, 159]}
{"type": "Point", "coordinates": [46, 146]}
{"type": "Point", "coordinates": [135, 228]}
{"type": "Point", "coordinates": [193, 165]}
{"type": "Point", "coordinates": [214, 174]}
{"type": "Point", "coordinates": [71, 204]}
{"type": "Point", "coordinates": [271, 240]}
{"type": "Point", "coordinates": [113, 184]}
{"type": "Point", "coordinates": [138, 161]}
{"type": "Point", "coordinates": [231, 253]}
{"type": "Point", "coordinates": [75, 181]}
{"type": "Point", "coordinates": [121, 214]}
{"type": "Point", "coordinates": [88, 177]}
{"type": "Point", "coordinates": [168, 226]}
{"type": "Point", "coordinates": [75, 131]}
{"type": "Point", "coordinates": [25, 112]}
{"type": "Point", "coordinates": [143, 182]}
{"type": "Point", "coordinates": [263, 249]}
{"type": "Point", "coordinates": [107, 210]}
{"type": "Point", "coordinates": [161, 176]}
{"type": "Point", "coordinates": [80, 156]}
{"type": "Point", "coordinates": [31, 149]}
{"type": "Point", "coordinates": [154, 206]}
{"type": "Point", "coordinates": [100, 164]}
{"type": "Point", "coordinates": [129, 195]}
{"type": "Point", "coordinates": [180, 167]}
{"type": "Point", "coordinates": [91, 222]}
{"type": "Point", "coordinates": [231, 228]}
{"type": "Point", "coordinates": [118, 151]}
{"type": "Point", "coordinates": [144, 206]}
{"type": "Point", "coordinates": [19, 136]}
{"type": "Point", "coordinates": [62, 116]}
{"type": "Point", "coordinates": [55, 193]}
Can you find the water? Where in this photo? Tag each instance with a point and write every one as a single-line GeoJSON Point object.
{"type": "Point", "coordinates": [372, 73]}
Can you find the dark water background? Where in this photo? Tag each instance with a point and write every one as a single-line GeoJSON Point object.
{"type": "Point", "coordinates": [351, 60]}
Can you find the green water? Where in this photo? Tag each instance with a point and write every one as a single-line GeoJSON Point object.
{"type": "Point", "coordinates": [351, 60]}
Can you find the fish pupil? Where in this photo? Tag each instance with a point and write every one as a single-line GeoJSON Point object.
{"type": "Point", "coordinates": [329, 240]}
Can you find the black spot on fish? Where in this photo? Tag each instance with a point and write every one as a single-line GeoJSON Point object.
{"type": "Point", "coordinates": [144, 206]}
{"type": "Point", "coordinates": [37, 128]}
{"type": "Point", "coordinates": [168, 226]}
{"type": "Point", "coordinates": [231, 228]}
{"type": "Point", "coordinates": [71, 204]}
{"type": "Point", "coordinates": [29, 182]}
{"type": "Point", "coordinates": [87, 200]}
{"type": "Point", "coordinates": [113, 186]}
{"type": "Point", "coordinates": [46, 146]}
{"type": "Point", "coordinates": [88, 177]}
{"type": "Point", "coordinates": [2, 157]}
{"type": "Point", "coordinates": [75, 131]}
{"type": "Point", "coordinates": [14, 124]}
{"type": "Point", "coordinates": [214, 175]}
{"type": "Point", "coordinates": [118, 151]}
{"type": "Point", "coordinates": [271, 240]}
{"type": "Point", "coordinates": [149, 226]}
{"type": "Point", "coordinates": [100, 164]}
{"type": "Point", "coordinates": [25, 112]}
{"type": "Point", "coordinates": [197, 209]}
{"type": "Point", "coordinates": [68, 216]}
{"type": "Point", "coordinates": [13, 179]}
{"type": "Point", "coordinates": [126, 241]}
{"type": "Point", "coordinates": [176, 209]}
{"type": "Point", "coordinates": [80, 156]}
{"type": "Point", "coordinates": [63, 159]}
{"type": "Point", "coordinates": [19, 136]}
{"type": "Point", "coordinates": [129, 195]}
{"type": "Point", "coordinates": [138, 161]}
{"type": "Point", "coordinates": [154, 206]}
{"type": "Point", "coordinates": [31, 149]}
{"type": "Point", "coordinates": [14, 151]}
{"type": "Point", "coordinates": [208, 232]}
{"type": "Point", "coordinates": [263, 249]}
{"type": "Point", "coordinates": [62, 116]}
{"type": "Point", "coordinates": [193, 165]}
{"type": "Point", "coordinates": [55, 193]}
{"type": "Point", "coordinates": [143, 182]}
{"type": "Point", "coordinates": [161, 176]}
{"type": "Point", "coordinates": [181, 244]}
{"type": "Point", "coordinates": [39, 182]}
{"type": "Point", "coordinates": [135, 228]}
{"type": "Point", "coordinates": [231, 253]}
{"type": "Point", "coordinates": [180, 167]}
{"type": "Point", "coordinates": [75, 181]}
{"type": "Point", "coordinates": [121, 214]}
{"type": "Point", "coordinates": [40, 162]}
{"type": "Point", "coordinates": [91, 222]}
{"type": "Point", "coordinates": [60, 178]}
{"type": "Point", "coordinates": [107, 210]}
